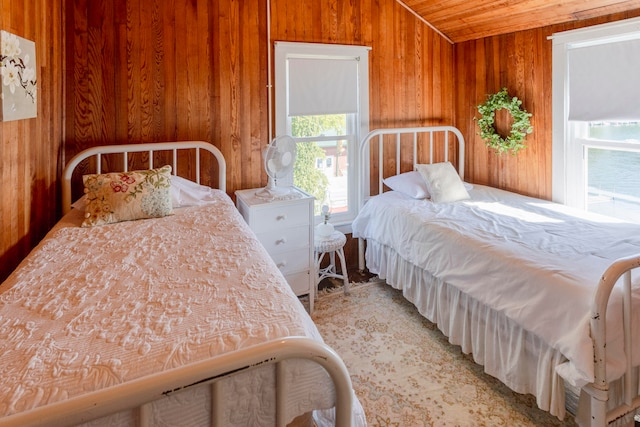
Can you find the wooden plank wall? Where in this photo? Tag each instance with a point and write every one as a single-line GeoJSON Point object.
{"type": "Point", "coordinates": [520, 61]}
{"type": "Point", "coordinates": [30, 149]}
{"type": "Point", "coordinates": [182, 69]}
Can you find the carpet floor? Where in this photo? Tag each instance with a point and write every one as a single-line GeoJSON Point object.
{"type": "Point", "coordinates": [406, 373]}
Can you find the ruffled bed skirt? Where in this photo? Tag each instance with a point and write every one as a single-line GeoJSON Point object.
{"type": "Point", "coordinates": [517, 358]}
{"type": "Point", "coordinates": [521, 360]}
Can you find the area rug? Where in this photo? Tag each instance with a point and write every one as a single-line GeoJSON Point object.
{"type": "Point", "coordinates": [405, 372]}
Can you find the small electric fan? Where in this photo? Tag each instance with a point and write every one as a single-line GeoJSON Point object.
{"type": "Point", "coordinates": [279, 158]}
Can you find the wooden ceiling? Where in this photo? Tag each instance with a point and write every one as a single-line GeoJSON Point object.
{"type": "Point", "coordinates": [462, 20]}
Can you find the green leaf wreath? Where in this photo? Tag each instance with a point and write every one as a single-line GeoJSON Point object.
{"type": "Point", "coordinates": [519, 130]}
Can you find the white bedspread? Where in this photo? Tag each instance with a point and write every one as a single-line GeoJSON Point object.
{"type": "Point", "coordinates": [92, 307]}
{"type": "Point", "coordinates": [536, 262]}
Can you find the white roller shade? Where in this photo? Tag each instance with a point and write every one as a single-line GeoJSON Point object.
{"type": "Point", "coordinates": [322, 86]}
{"type": "Point", "coordinates": [604, 82]}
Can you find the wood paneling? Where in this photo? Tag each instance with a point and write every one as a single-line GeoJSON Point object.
{"type": "Point", "coordinates": [410, 70]}
{"type": "Point", "coordinates": [521, 62]}
{"type": "Point", "coordinates": [183, 69]}
{"type": "Point", "coordinates": [30, 149]}
{"type": "Point", "coordinates": [464, 20]}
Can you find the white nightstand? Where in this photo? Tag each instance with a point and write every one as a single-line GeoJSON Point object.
{"type": "Point", "coordinates": [285, 229]}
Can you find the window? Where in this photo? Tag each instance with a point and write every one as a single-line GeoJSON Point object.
{"type": "Point", "coordinates": [322, 101]}
{"type": "Point", "coordinates": [611, 153]}
{"type": "Point", "coordinates": [596, 119]}
{"type": "Point", "coordinates": [329, 161]}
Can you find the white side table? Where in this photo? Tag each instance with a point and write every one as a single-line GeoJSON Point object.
{"type": "Point", "coordinates": [332, 245]}
{"type": "Point", "coordinates": [285, 229]}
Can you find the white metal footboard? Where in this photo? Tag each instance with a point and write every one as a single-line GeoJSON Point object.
{"type": "Point", "coordinates": [139, 393]}
{"type": "Point", "coordinates": [378, 135]}
{"type": "Point", "coordinates": [599, 390]}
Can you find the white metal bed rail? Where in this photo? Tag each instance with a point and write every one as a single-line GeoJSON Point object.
{"type": "Point", "coordinates": [599, 390]}
{"type": "Point", "coordinates": [140, 392]}
{"type": "Point", "coordinates": [125, 149]}
{"type": "Point", "coordinates": [378, 135]}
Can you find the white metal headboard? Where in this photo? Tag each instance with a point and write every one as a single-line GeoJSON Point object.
{"type": "Point", "coordinates": [378, 135]}
{"type": "Point", "coordinates": [125, 149]}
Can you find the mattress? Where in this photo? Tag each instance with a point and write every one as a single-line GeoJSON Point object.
{"type": "Point", "coordinates": [533, 262]}
{"type": "Point", "coordinates": [98, 306]}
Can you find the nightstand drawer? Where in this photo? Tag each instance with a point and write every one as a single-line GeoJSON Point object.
{"type": "Point", "coordinates": [299, 282]}
{"type": "Point", "coordinates": [286, 239]}
{"type": "Point", "coordinates": [292, 261]}
{"type": "Point", "coordinates": [279, 217]}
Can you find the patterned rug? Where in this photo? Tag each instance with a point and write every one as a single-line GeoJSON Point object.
{"type": "Point", "coordinates": [405, 372]}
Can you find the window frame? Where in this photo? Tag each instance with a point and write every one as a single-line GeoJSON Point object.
{"type": "Point", "coordinates": [569, 140]}
{"type": "Point", "coordinates": [626, 146]}
{"type": "Point", "coordinates": [286, 50]}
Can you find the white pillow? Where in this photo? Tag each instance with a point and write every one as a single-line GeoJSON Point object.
{"type": "Point", "coordinates": [410, 183]}
{"type": "Point", "coordinates": [443, 182]}
{"type": "Point", "coordinates": [188, 193]}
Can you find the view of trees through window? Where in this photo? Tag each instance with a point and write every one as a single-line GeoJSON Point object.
{"type": "Point", "coordinates": [322, 159]}
{"type": "Point", "coordinates": [613, 174]}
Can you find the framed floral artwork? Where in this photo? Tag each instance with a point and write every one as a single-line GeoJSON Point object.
{"type": "Point", "coordinates": [18, 94]}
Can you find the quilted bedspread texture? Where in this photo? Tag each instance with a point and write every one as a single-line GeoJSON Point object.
{"type": "Point", "coordinates": [93, 307]}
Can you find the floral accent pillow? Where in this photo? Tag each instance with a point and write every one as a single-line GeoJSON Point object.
{"type": "Point", "coordinates": [125, 196]}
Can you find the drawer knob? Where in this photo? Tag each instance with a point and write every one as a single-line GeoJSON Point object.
{"type": "Point", "coordinates": [281, 241]}
{"type": "Point", "coordinates": [281, 217]}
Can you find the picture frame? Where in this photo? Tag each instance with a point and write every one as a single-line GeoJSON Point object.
{"type": "Point", "coordinates": [18, 73]}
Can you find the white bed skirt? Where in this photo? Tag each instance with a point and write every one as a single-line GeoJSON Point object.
{"type": "Point", "coordinates": [517, 358]}
{"type": "Point", "coordinates": [507, 352]}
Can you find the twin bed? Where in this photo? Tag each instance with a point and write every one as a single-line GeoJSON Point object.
{"type": "Point", "coordinates": [152, 303]}
{"type": "Point", "coordinates": [540, 294]}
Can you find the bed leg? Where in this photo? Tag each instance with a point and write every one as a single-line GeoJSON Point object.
{"type": "Point", "coordinates": [597, 406]}
{"type": "Point", "coordinates": [216, 404]}
{"type": "Point", "coordinates": [598, 413]}
{"type": "Point", "coordinates": [144, 415]}
{"type": "Point", "coordinates": [280, 395]}
{"type": "Point", "coordinates": [361, 254]}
